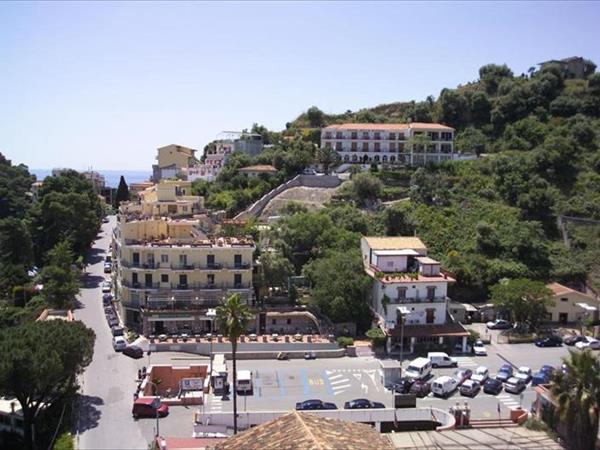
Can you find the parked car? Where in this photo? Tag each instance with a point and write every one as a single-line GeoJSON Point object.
{"type": "Point", "coordinates": [443, 386]}
{"type": "Point", "coordinates": [307, 405]}
{"type": "Point", "coordinates": [420, 388]}
{"type": "Point", "coordinates": [549, 341]}
{"type": "Point", "coordinates": [589, 342]}
{"type": "Point", "coordinates": [403, 385]}
{"type": "Point", "coordinates": [573, 339]}
{"type": "Point", "coordinates": [499, 324]}
{"type": "Point", "coordinates": [133, 351]}
{"type": "Point", "coordinates": [540, 378]}
{"type": "Point", "coordinates": [492, 386]}
{"type": "Point", "coordinates": [119, 343]}
{"type": "Point", "coordinates": [148, 407]}
{"type": "Point", "coordinates": [547, 369]}
{"type": "Point", "coordinates": [524, 373]}
{"type": "Point", "coordinates": [441, 359]}
{"type": "Point", "coordinates": [106, 286]}
{"type": "Point", "coordinates": [481, 374]}
{"type": "Point", "coordinates": [461, 375]}
{"type": "Point", "coordinates": [362, 403]}
{"type": "Point", "coordinates": [107, 267]}
{"type": "Point", "coordinates": [106, 298]}
{"type": "Point", "coordinates": [419, 369]}
{"type": "Point", "coordinates": [470, 388]}
{"type": "Point", "coordinates": [310, 355]}
{"type": "Point", "coordinates": [117, 330]}
{"type": "Point", "coordinates": [479, 349]}
{"type": "Point", "coordinates": [504, 373]}
{"type": "Point", "coordinates": [112, 320]}
{"type": "Point", "coordinates": [515, 385]}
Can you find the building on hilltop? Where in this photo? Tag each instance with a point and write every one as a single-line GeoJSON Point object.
{"type": "Point", "coordinates": [365, 143]}
{"type": "Point", "coordinates": [255, 171]}
{"type": "Point", "coordinates": [572, 67]}
{"type": "Point", "coordinates": [172, 159]}
{"type": "Point", "coordinates": [166, 198]}
{"type": "Point", "coordinates": [410, 287]}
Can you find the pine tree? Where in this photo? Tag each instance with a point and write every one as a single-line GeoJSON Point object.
{"type": "Point", "coordinates": [122, 192]}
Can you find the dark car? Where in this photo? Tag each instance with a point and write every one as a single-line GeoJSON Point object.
{"type": "Point", "coordinates": [540, 378]}
{"type": "Point", "coordinates": [504, 373]}
{"type": "Point", "coordinates": [547, 369]}
{"type": "Point", "coordinates": [420, 389]}
{"type": "Point", "coordinates": [550, 341]}
{"type": "Point", "coordinates": [492, 386]}
{"type": "Point", "coordinates": [149, 407]}
{"type": "Point", "coordinates": [106, 298]}
{"type": "Point", "coordinates": [314, 404]}
{"type": "Point", "coordinates": [403, 385]}
{"type": "Point", "coordinates": [572, 340]}
{"type": "Point", "coordinates": [133, 351]}
{"type": "Point", "coordinates": [362, 403]}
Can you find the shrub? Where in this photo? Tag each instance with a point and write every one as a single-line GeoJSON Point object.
{"type": "Point", "coordinates": [345, 341]}
{"type": "Point", "coordinates": [64, 442]}
{"type": "Point", "coordinates": [377, 337]}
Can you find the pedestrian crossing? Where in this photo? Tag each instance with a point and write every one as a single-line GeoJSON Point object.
{"type": "Point", "coordinates": [510, 401]}
{"type": "Point", "coordinates": [466, 361]}
{"type": "Point", "coordinates": [216, 404]}
{"type": "Point", "coordinates": [338, 381]}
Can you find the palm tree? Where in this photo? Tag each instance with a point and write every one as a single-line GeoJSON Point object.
{"type": "Point", "coordinates": [577, 393]}
{"type": "Point", "coordinates": [233, 316]}
{"type": "Point", "coordinates": [328, 158]}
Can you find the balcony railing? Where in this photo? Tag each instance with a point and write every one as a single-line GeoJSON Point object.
{"type": "Point", "coordinates": [214, 266]}
{"type": "Point", "coordinates": [402, 301]}
{"type": "Point", "coordinates": [163, 287]}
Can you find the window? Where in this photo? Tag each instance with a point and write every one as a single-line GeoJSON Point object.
{"type": "Point", "coordinates": [430, 292]}
{"type": "Point", "coordinates": [446, 136]}
{"type": "Point", "coordinates": [164, 258]}
{"type": "Point", "coordinates": [273, 321]}
{"type": "Point", "coordinates": [237, 280]}
{"type": "Point", "coordinates": [210, 260]}
{"type": "Point", "coordinates": [354, 135]}
{"type": "Point", "coordinates": [327, 144]}
{"type": "Point", "coordinates": [328, 135]}
{"type": "Point", "coordinates": [365, 147]}
{"type": "Point", "coordinates": [564, 299]}
{"type": "Point", "coordinates": [183, 280]}
{"type": "Point", "coordinates": [446, 148]}
{"type": "Point", "coordinates": [339, 135]}
{"type": "Point", "coordinates": [377, 135]}
{"type": "Point", "coordinates": [392, 146]}
{"type": "Point", "coordinates": [289, 321]}
{"type": "Point", "coordinates": [237, 261]}
{"type": "Point", "coordinates": [164, 278]}
{"type": "Point", "coordinates": [400, 136]}
{"type": "Point", "coordinates": [338, 146]}
{"type": "Point", "coordinates": [354, 146]}
{"type": "Point", "coordinates": [400, 147]}
{"type": "Point", "coordinates": [183, 260]}
{"type": "Point", "coordinates": [392, 136]}
{"type": "Point", "coordinates": [377, 147]}
{"type": "Point", "coordinates": [210, 279]}
{"type": "Point", "coordinates": [365, 135]}
{"type": "Point", "coordinates": [401, 293]}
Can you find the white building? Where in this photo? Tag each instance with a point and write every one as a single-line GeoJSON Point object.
{"type": "Point", "coordinates": [390, 143]}
{"type": "Point", "coordinates": [406, 279]}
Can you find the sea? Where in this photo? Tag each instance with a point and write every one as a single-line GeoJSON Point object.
{"type": "Point", "coordinates": [112, 177]}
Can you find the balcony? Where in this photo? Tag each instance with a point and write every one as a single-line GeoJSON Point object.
{"type": "Point", "coordinates": [139, 265]}
{"type": "Point", "coordinates": [138, 285]}
{"type": "Point", "coordinates": [182, 266]}
{"type": "Point", "coordinates": [180, 305]}
{"type": "Point", "coordinates": [420, 300]}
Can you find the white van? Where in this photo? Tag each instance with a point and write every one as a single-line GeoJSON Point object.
{"type": "Point", "coordinates": [444, 386]}
{"type": "Point", "coordinates": [244, 381]}
{"type": "Point", "coordinates": [419, 369]}
{"type": "Point", "coordinates": [441, 359]}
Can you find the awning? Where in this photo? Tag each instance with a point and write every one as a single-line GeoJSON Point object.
{"type": "Point", "coordinates": [417, 331]}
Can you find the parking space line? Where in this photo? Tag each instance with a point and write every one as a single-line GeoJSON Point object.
{"type": "Point", "coordinates": [327, 383]}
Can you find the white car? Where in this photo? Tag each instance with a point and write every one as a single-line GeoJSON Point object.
{"type": "Point", "coordinates": [589, 342]}
{"type": "Point", "coordinates": [106, 286]}
{"type": "Point", "coordinates": [479, 349]}
{"type": "Point", "coordinates": [443, 386]}
{"type": "Point", "coordinates": [119, 343]}
{"type": "Point", "coordinates": [481, 374]}
{"type": "Point", "coordinates": [524, 373]}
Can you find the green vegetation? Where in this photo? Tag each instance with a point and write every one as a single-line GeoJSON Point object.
{"type": "Point", "coordinates": [377, 337]}
{"type": "Point", "coordinates": [345, 341]}
{"type": "Point", "coordinates": [122, 192]}
{"type": "Point", "coordinates": [39, 364]}
{"type": "Point", "coordinates": [577, 393]}
{"type": "Point", "coordinates": [525, 300]}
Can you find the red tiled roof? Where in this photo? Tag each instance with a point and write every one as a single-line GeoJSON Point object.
{"type": "Point", "coordinates": [389, 126]}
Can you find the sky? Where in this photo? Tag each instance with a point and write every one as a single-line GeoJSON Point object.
{"type": "Point", "coordinates": [103, 85]}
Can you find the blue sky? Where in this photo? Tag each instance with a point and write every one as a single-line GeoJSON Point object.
{"type": "Point", "coordinates": [105, 84]}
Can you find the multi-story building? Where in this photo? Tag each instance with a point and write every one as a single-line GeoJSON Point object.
{"type": "Point", "coordinates": [168, 274]}
{"type": "Point", "coordinates": [96, 178]}
{"type": "Point", "coordinates": [409, 287]}
{"type": "Point", "coordinates": [573, 67]}
{"type": "Point", "coordinates": [409, 143]}
{"type": "Point", "coordinates": [166, 198]}
{"type": "Point", "coordinates": [171, 160]}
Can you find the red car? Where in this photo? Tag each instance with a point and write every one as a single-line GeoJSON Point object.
{"type": "Point", "coordinates": [148, 407]}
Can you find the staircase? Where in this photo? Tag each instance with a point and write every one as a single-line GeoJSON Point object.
{"type": "Point", "coordinates": [492, 423]}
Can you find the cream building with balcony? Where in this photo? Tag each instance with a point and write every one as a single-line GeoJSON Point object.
{"type": "Point", "coordinates": [168, 274]}
{"type": "Point", "coordinates": [365, 143]}
{"type": "Point", "coordinates": [171, 159]}
{"type": "Point", "coordinates": [408, 285]}
{"type": "Point", "coordinates": [166, 198]}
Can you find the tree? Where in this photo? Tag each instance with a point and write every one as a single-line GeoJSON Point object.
{"type": "Point", "coordinates": [577, 392]}
{"type": "Point", "coordinates": [492, 74]}
{"type": "Point", "coordinates": [233, 316]}
{"type": "Point", "coordinates": [364, 187]}
{"type": "Point", "coordinates": [525, 300]}
{"type": "Point", "coordinates": [275, 269]}
{"type": "Point", "coordinates": [60, 278]}
{"type": "Point", "coordinates": [328, 158]}
{"type": "Point", "coordinates": [481, 108]}
{"type": "Point", "coordinates": [122, 192]}
{"type": "Point", "coordinates": [453, 108]}
{"type": "Point", "coordinates": [15, 183]}
{"type": "Point", "coordinates": [16, 254]}
{"type": "Point", "coordinates": [471, 140]}
{"type": "Point", "coordinates": [39, 364]}
{"type": "Point", "coordinates": [316, 117]}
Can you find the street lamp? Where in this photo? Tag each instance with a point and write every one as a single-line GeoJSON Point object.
{"type": "Point", "coordinates": [211, 314]}
{"type": "Point", "coordinates": [403, 313]}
